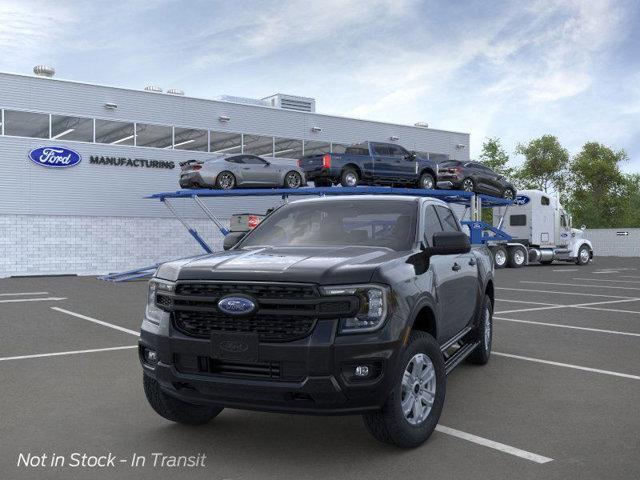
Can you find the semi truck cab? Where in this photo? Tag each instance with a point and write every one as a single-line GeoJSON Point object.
{"type": "Point", "coordinates": [538, 223]}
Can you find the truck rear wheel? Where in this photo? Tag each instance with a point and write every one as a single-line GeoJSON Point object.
{"type": "Point", "coordinates": [413, 408]}
{"type": "Point", "coordinates": [484, 333]}
{"type": "Point", "coordinates": [349, 178]}
{"type": "Point", "coordinates": [500, 256]}
{"type": "Point", "coordinates": [176, 410]}
{"type": "Point", "coordinates": [517, 257]}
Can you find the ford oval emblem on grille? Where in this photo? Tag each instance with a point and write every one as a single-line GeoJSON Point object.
{"type": "Point", "coordinates": [236, 305]}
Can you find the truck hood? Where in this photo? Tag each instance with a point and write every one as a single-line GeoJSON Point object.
{"type": "Point", "coordinates": [320, 265]}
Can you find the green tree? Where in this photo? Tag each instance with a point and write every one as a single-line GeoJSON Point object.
{"type": "Point", "coordinates": [599, 192]}
{"type": "Point", "coordinates": [495, 157]}
{"type": "Point", "coordinates": [631, 198]}
{"type": "Point", "coordinates": [545, 165]}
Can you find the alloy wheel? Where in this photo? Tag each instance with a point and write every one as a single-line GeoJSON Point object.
{"type": "Point", "coordinates": [508, 194]}
{"type": "Point", "coordinates": [584, 255]}
{"type": "Point", "coordinates": [293, 180]}
{"type": "Point", "coordinates": [427, 182]}
{"type": "Point", "coordinates": [351, 179]}
{"type": "Point", "coordinates": [487, 328]}
{"type": "Point", "coordinates": [226, 181]}
{"type": "Point", "coordinates": [418, 389]}
{"type": "Point", "coordinates": [467, 185]}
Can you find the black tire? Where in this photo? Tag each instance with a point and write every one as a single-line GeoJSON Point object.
{"type": "Point", "coordinates": [290, 183]}
{"type": "Point", "coordinates": [500, 256]}
{"type": "Point", "coordinates": [346, 178]}
{"type": "Point", "coordinates": [427, 179]}
{"type": "Point", "coordinates": [583, 260]}
{"type": "Point", "coordinates": [322, 182]}
{"type": "Point", "coordinates": [517, 257]}
{"type": "Point", "coordinates": [483, 333]}
{"type": "Point", "coordinates": [389, 424]}
{"type": "Point", "coordinates": [509, 193]}
{"type": "Point", "coordinates": [221, 182]}
{"type": "Point", "coordinates": [468, 185]}
{"type": "Point", "coordinates": [176, 410]}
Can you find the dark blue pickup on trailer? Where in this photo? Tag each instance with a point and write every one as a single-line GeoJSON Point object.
{"type": "Point", "coordinates": [371, 163]}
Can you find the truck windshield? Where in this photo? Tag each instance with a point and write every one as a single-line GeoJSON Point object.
{"type": "Point", "coordinates": [384, 223]}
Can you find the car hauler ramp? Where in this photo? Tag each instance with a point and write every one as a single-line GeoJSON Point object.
{"type": "Point", "coordinates": [471, 201]}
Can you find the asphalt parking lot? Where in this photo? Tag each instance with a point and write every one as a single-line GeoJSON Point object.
{"type": "Point", "coordinates": [558, 399]}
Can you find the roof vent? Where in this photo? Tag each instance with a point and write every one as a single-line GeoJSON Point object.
{"type": "Point", "coordinates": [44, 71]}
{"type": "Point", "coordinates": [153, 88]}
{"type": "Point", "coordinates": [422, 124]}
{"type": "Point", "coordinates": [175, 91]}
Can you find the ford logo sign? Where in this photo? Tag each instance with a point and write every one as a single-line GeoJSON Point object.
{"type": "Point", "coordinates": [55, 157]}
{"type": "Point", "coordinates": [521, 200]}
{"type": "Point", "coordinates": [236, 305]}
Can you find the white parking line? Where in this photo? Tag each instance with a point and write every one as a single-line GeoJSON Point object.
{"type": "Point", "coordinates": [577, 305]}
{"type": "Point", "coordinates": [529, 290]}
{"type": "Point", "coordinates": [616, 310]}
{"type": "Point", "coordinates": [573, 327]}
{"type": "Point", "coordinates": [23, 293]}
{"type": "Point", "coordinates": [522, 301]}
{"type": "Point", "coordinates": [567, 365]}
{"type": "Point", "coordinates": [566, 269]}
{"type": "Point", "coordinates": [95, 320]}
{"type": "Point", "coordinates": [45, 299]}
{"type": "Point", "coordinates": [72, 352]}
{"type": "Point", "coordinates": [485, 442]}
{"type": "Point", "coordinates": [581, 285]}
{"type": "Point", "coordinates": [604, 280]}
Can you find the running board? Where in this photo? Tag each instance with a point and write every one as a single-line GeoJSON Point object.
{"type": "Point", "coordinates": [462, 353]}
{"type": "Point", "coordinates": [457, 338]}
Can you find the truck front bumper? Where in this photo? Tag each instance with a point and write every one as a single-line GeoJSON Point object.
{"type": "Point", "coordinates": [314, 375]}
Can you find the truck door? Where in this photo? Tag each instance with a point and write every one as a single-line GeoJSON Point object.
{"type": "Point", "coordinates": [383, 161]}
{"type": "Point", "coordinates": [403, 164]}
{"type": "Point", "coordinates": [455, 276]}
{"type": "Point", "coordinates": [564, 231]}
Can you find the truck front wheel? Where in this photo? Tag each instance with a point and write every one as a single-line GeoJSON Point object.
{"type": "Point", "coordinates": [584, 255]}
{"type": "Point", "coordinates": [413, 408]}
{"type": "Point", "coordinates": [427, 182]}
{"type": "Point", "coordinates": [176, 410]}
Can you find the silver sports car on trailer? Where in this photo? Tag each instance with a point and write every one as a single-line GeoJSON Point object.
{"type": "Point", "coordinates": [241, 170]}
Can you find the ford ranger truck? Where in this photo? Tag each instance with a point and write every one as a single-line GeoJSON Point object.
{"type": "Point", "coordinates": [371, 163]}
{"type": "Point", "coordinates": [335, 305]}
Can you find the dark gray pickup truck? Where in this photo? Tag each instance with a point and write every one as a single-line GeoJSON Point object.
{"type": "Point", "coordinates": [341, 305]}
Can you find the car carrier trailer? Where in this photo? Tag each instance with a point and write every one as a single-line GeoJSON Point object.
{"type": "Point", "coordinates": [478, 235]}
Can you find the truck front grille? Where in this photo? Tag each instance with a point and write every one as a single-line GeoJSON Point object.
{"type": "Point", "coordinates": [271, 328]}
{"type": "Point", "coordinates": [285, 312]}
{"type": "Point", "coordinates": [209, 366]}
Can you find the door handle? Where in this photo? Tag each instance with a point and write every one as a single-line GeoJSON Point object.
{"type": "Point", "coordinates": [456, 267]}
{"type": "Point", "coordinates": [472, 262]}
{"type": "Point", "coordinates": [246, 168]}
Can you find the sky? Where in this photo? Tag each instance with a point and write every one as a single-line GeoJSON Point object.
{"type": "Point", "coordinates": [514, 70]}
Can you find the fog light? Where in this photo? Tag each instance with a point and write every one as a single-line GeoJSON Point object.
{"type": "Point", "coordinates": [362, 371]}
{"type": "Point", "coordinates": [150, 356]}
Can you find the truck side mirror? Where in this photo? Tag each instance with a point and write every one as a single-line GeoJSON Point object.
{"type": "Point", "coordinates": [449, 243]}
{"type": "Point", "coordinates": [231, 239]}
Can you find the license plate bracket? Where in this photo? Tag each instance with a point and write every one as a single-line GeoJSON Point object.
{"type": "Point", "coordinates": [234, 346]}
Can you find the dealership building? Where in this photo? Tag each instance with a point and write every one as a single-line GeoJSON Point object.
{"type": "Point", "coordinates": [91, 217]}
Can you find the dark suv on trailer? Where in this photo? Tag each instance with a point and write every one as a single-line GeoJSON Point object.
{"type": "Point", "coordinates": [474, 177]}
{"type": "Point", "coordinates": [341, 305]}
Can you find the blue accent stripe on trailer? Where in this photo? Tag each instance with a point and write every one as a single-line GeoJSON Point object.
{"type": "Point", "coordinates": [450, 196]}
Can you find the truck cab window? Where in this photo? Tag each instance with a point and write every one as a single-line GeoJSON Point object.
{"type": "Point", "coordinates": [381, 150]}
{"type": "Point", "coordinates": [431, 224]}
{"type": "Point", "coordinates": [517, 220]}
{"type": "Point", "coordinates": [544, 200]}
{"type": "Point", "coordinates": [448, 220]}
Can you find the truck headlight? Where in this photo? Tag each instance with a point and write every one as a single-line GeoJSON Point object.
{"type": "Point", "coordinates": [374, 301]}
{"type": "Point", "coordinates": [155, 311]}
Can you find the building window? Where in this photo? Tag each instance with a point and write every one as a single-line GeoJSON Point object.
{"type": "Point", "coordinates": [157, 136]}
{"type": "Point", "coordinates": [338, 147]}
{"type": "Point", "coordinates": [224, 142]}
{"type": "Point", "coordinates": [26, 124]}
{"type": "Point", "coordinates": [72, 128]}
{"type": "Point", "coordinates": [287, 148]}
{"type": "Point", "coordinates": [115, 133]}
{"type": "Point", "coordinates": [258, 145]}
{"type": "Point", "coordinates": [190, 139]}
{"type": "Point", "coordinates": [312, 147]}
